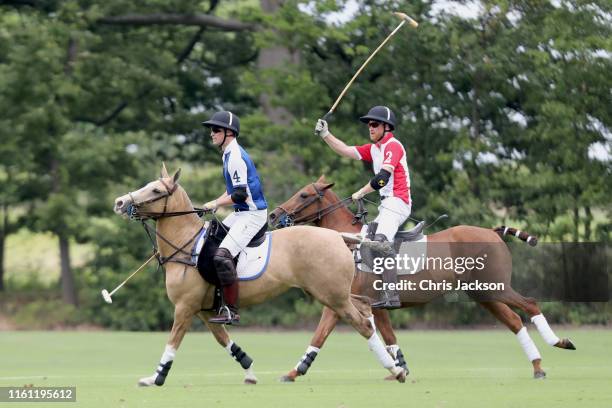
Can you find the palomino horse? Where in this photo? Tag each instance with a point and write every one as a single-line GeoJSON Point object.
{"type": "Point", "coordinates": [313, 259]}
{"type": "Point", "coordinates": [317, 203]}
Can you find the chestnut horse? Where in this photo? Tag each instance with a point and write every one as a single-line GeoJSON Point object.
{"type": "Point", "coordinates": [313, 259]}
{"type": "Point", "coordinates": [316, 203]}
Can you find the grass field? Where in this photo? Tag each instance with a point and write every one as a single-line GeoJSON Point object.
{"type": "Point", "coordinates": [448, 369]}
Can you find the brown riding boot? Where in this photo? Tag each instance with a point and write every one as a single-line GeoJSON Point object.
{"type": "Point", "coordinates": [226, 271]}
{"type": "Point", "coordinates": [228, 313]}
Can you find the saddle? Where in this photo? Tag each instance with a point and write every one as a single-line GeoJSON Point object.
{"type": "Point", "coordinates": [364, 257]}
{"type": "Point", "coordinates": [215, 234]}
{"type": "Point", "coordinates": [413, 234]}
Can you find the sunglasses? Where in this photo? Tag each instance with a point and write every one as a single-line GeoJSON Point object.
{"type": "Point", "coordinates": [216, 129]}
{"type": "Point", "coordinates": [374, 125]}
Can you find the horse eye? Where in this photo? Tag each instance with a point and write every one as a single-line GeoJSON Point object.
{"type": "Point", "coordinates": [157, 191]}
{"type": "Point", "coordinates": [304, 194]}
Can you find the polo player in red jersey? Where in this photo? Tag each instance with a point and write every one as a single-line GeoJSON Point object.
{"type": "Point", "coordinates": [391, 180]}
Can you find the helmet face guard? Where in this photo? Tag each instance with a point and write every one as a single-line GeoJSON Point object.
{"type": "Point", "coordinates": [224, 120]}
{"type": "Point", "coordinates": [380, 114]}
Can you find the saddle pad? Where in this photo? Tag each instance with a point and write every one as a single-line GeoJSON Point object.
{"type": "Point", "coordinates": [252, 262]}
{"type": "Point", "coordinates": [412, 256]}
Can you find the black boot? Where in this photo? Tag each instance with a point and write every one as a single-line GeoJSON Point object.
{"type": "Point", "coordinates": [389, 299]}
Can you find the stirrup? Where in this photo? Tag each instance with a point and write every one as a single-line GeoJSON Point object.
{"type": "Point", "coordinates": [225, 316]}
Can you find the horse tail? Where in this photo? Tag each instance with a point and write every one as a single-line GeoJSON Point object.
{"type": "Point", "coordinates": [522, 235]}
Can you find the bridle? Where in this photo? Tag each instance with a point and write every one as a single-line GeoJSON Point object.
{"type": "Point", "coordinates": [135, 214]}
{"type": "Point", "coordinates": [290, 218]}
{"type": "Point", "coordinates": [133, 211]}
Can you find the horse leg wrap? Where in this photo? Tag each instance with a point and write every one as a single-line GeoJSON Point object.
{"type": "Point", "coordinates": [528, 345]}
{"type": "Point", "coordinates": [400, 361]}
{"type": "Point", "coordinates": [306, 361]}
{"type": "Point", "coordinates": [545, 331]}
{"type": "Point", "coordinates": [240, 356]}
{"type": "Point", "coordinates": [398, 355]}
{"type": "Point", "coordinates": [162, 373]}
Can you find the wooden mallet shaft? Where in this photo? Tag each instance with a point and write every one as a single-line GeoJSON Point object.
{"type": "Point", "coordinates": [405, 18]}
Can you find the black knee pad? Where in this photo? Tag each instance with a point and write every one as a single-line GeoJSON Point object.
{"type": "Point", "coordinates": [224, 264]}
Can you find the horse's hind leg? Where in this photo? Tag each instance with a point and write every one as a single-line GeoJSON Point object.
{"type": "Point", "coordinates": [383, 324]}
{"type": "Point", "coordinates": [530, 306]}
{"type": "Point", "coordinates": [513, 321]}
{"type": "Point", "coordinates": [326, 325]}
{"type": "Point", "coordinates": [223, 338]}
{"type": "Point", "coordinates": [182, 320]}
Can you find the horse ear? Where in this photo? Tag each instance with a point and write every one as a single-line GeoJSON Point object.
{"type": "Point", "coordinates": [321, 179]}
{"type": "Point", "coordinates": [177, 175]}
{"type": "Point", "coordinates": [164, 171]}
{"type": "Point", "coordinates": [328, 185]}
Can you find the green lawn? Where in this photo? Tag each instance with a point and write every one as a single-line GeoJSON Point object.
{"type": "Point", "coordinates": [448, 369]}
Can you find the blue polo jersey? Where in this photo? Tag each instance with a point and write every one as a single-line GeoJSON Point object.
{"type": "Point", "coordinates": [239, 171]}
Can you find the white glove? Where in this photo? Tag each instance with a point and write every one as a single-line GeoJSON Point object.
{"type": "Point", "coordinates": [358, 195]}
{"type": "Point", "coordinates": [321, 129]}
{"type": "Point", "coordinates": [210, 206]}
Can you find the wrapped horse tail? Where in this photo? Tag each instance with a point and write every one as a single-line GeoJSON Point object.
{"type": "Point", "coordinates": [522, 235]}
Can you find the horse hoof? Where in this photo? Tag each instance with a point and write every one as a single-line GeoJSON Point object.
{"type": "Point", "coordinates": [390, 377]}
{"type": "Point", "coordinates": [539, 375]}
{"type": "Point", "coordinates": [400, 376]}
{"type": "Point", "coordinates": [568, 345]}
{"type": "Point", "coordinates": [147, 381]}
{"type": "Point", "coordinates": [250, 380]}
{"type": "Point", "coordinates": [287, 379]}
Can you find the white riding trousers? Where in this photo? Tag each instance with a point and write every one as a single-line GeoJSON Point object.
{"type": "Point", "coordinates": [243, 227]}
{"type": "Point", "coordinates": [392, 212]}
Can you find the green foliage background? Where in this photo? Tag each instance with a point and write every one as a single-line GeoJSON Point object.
{"type": "Point", "coordinates": [501, 115]}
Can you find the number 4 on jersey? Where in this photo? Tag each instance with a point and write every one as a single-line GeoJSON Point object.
{"type": "Point", "coordinates": [236, 177]}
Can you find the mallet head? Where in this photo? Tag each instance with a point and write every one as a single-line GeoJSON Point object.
{"type": "Point", "coordinates": [107, 296]}
{"type": "Point", "coordinates": [406, 17]}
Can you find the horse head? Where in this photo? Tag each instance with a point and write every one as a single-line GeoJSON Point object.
{"type": "Point", "coordinates": [303, 207]}
{"type": "Point", "coordinates": [151, 201]}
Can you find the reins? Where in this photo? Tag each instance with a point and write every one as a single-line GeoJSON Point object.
{"type": "Point", "coordinates": [322, 212]}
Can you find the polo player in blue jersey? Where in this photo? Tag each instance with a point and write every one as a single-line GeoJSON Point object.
{"type": "Point", "coordinates": [243, 190]}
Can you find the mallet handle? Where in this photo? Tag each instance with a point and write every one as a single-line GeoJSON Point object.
{"type": "Point", "coordinates": [134, 273]}
{"type": "Point", "coordinates": [363, 66]}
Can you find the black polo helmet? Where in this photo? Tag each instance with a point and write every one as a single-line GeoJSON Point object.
{"type": "Point", "coordinates": [380, 114]}
{"type": "Point", "coordinates": [224, 120]}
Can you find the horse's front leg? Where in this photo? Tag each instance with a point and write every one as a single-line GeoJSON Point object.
{"type": "Point", "coordinates": [182, 320]}
{"type": "Point", "coordinates": [223, 338]}
{"type": "Point", "coordinates": [328, 321]}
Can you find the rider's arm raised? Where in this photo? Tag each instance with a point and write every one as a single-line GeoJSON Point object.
{"type": "Point", "coordinates": [341, 148]}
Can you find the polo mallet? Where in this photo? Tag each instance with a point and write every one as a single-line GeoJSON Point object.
{"type": "Point", "coordinates": [108, 296]}
{"type": "Point", "coordinates": [404, 18]}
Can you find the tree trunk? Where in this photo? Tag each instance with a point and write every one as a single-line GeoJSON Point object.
{"type": "Point", "coordinates": [576, 223]}
{"type": "Point", "coordinates": [274, 56]}
{"type": "Point", "coordinates": [69, 294]}
{"type": "Point", "coordinates": [2, 241]}
{"type": "Point", "coordinates": [67, 280]}
{"type": "Point", "coordinates": [587, 223]}
{"type": "Point", "coordinates": [3, 234]}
